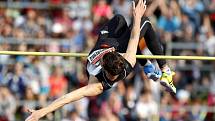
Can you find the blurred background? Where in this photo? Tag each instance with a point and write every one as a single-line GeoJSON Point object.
{"type": "Point", "coordinates": [185, 27]}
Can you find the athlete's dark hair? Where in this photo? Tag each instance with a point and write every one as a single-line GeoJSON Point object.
{"type": "Point", "coordinates": [113, 63]}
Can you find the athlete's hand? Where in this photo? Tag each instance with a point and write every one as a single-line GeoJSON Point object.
{"type": "Point", "coordinates": [35, 115]}
{"type": "Point", "coordinates": [139, 10]}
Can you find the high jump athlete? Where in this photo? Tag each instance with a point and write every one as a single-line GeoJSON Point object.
{"type": "Point", "coordinates": [114, 57]}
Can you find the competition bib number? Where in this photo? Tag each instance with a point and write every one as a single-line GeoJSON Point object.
{"type": "Point", "coordinates": [96, 55]}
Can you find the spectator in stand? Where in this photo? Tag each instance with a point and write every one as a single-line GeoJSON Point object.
{"type": "Point", "coordinates": [186, 27]}
{"type": "Point", "coordinates": [30, 26]}
{"type": "Point", "coordinates": [1, 73]}
{"type": "Point", "coordinates": [19, 34]}
{"type": "Point", "coordinates": [209, 5]}
{"type": "Point", "coordinates": [7, 104]}
{"type": "Point", "coordinates": [165, 101]}
{"type": "Point", "coordinates": [211, 9]}
{"type": "Point", "coordinates": [115, 103]}
{"type": "Point", "coordinates": [43, 73]}
{"type": "Point", "coordinates": [73, 116]}
{"type": "Point", "coordinates": [79, 8]}
{"type": "Point", "coordinates": [106, 114]}
{"type": "Point", "coordinates": [29, 98]}
{"type": "Point", "coordinates": [7, 30]}
{"type": "Point", "coordinates": [64, 22]}
{"type": "Point", "coordinates": [79, 35]}
{"type": "Point", "coordinates": [211, 97]}
{"type": "Point", "coordinates": [149, 105]}
{"type": "Point", "coordinates": [4, 59]}
{"type": "Point", "coordinates": [101, 10]}
{"type": "Point", "coordinates": [45, 23]}
{"type": "Point", "coordinates": [58, 83]}
{"type": "Point", "coordinates": [16, 80]}
{"type": "Point", "coordinates": [123, 7]}
{"type": "Point", "coordinates": [210, 43]}
{"type": "Point", "coordinates": [169, 20]}
{"type": "Point", "coordinates": [192, 8]}
{"type": "Point", "coordinates": [183, 97]}
{"type": "Point", "coordinates": [129, 99]}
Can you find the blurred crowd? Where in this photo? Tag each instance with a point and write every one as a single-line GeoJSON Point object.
{"type": "Point", "coordinates": [35, 81]}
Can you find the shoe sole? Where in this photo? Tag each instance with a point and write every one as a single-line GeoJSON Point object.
{"type": "Point", "coordinates": [168, 89]}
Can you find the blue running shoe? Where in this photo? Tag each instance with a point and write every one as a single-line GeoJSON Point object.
{"type": "Point", "coordinates": [152, 72]}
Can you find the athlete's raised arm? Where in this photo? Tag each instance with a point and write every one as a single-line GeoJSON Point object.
{"type": "Point", "coordinates": [92, 89]}
{"type": "Point", "coordinates": [138, 12]}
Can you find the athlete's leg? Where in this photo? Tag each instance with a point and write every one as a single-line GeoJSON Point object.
{"type": "Point", "coordinates": [114, 28]}
{"type": "Point", "coordinates": [110, 32]}
{"type": "Point", "coordinates": [155, 46]}
{"type": "Point", "coordinates": [152, 41]}
{"type": "Point", "coordinates": [150, 70]}
{"type": "Point", "coordinates": [144, 26]}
